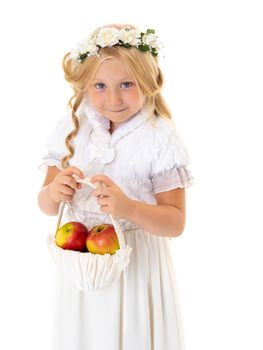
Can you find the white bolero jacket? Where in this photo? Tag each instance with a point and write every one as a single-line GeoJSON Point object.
{"type": "Point", "coordinates": [143, 156]}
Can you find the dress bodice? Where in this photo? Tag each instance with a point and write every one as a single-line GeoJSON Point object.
{"type": "Point", "coordinates": [143, 156]}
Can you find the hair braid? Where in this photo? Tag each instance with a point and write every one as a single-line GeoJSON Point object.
{"type": "Point", "coordinates": [73, 133]}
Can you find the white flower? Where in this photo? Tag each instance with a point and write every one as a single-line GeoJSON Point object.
{"type": "Point", "coordinates": [131, 36]}
{"type": "Point", "coordinates": [74, 55]}
{"type": "Point", "coordinates": [107, 37]}
{"type": "Point", "coordinates": [152, 40]}
{"type": "Point", "coordinates": [88, 45]}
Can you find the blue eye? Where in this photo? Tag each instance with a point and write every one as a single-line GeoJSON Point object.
{"type": "Point", "coordinates": [126, 84]}
{"type": "Point", "coordinates": [100, 86]}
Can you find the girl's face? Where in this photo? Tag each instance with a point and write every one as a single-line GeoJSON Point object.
{"type": "Point", "coordinates": [114, 93]}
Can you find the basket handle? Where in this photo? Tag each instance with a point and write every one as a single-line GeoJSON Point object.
{"type": "Point", "coordinates": [115, 223]}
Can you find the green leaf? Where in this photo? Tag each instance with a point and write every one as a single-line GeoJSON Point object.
{"type": "Point", "coordinates": [121, 43]}
{"type": "Point", "coordinates": [150, 31]}
{"type": "Point", "coordinates": [144, 48]}
{"type": "Point", "coordinates": [83, 56]}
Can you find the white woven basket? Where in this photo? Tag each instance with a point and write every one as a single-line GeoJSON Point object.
{"type": "Point", "coordinates": [88, 271]}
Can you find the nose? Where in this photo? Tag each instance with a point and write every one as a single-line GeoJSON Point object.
{"type": "Point", "coordinates": [114, 98]}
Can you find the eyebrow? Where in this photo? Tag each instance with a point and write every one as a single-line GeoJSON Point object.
{"type": "Point", "coordinates": [122, 79]}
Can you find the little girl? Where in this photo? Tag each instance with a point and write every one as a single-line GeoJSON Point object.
{"type": "Point", "coordinates": [119, 132]}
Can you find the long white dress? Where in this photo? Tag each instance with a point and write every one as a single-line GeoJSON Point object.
{"type": "Point", "coordinates": [144, 156]}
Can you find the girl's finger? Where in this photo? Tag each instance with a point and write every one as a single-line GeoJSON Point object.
{"type": "Point", "coordinates": [69, 181]}
{"type": "Point", "coordinates": [67, 190]}
{"type": "Point", "coordinates": [102, 201]}
{"type": "Point", "coordinates": [101, 191]}
{"type": "Point", "coordinates": [104, 179]}
{"type": "Point", "coordinates": [105, 209]}
{"type": "Point", "coordinates": [73, 170]}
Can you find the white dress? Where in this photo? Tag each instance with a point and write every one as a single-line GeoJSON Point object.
{"type": "Point", "coordinates": [144, 156]}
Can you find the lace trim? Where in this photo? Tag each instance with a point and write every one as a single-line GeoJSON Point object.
{"type": "Point", "coordinates": [171, 179]}
{"type": "Point", "coordinates": [91, 219]}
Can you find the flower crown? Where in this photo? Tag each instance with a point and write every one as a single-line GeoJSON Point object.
{"type": "Point", "coordinates": [111, 36]}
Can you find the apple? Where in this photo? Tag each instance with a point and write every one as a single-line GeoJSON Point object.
{"type": "Point", "coordinates": [102, 239]}
{"type": "Point", "coordinates": [72, 235]}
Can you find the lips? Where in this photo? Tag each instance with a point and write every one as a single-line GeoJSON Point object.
{"type": "Point", "coordinates": [119, 110]}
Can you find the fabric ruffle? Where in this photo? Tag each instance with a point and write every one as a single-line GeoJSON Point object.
{"type": "Point", "coordinates": [88, 271]}
{"type": "Point", "coordinates": [49, 160]}
{"type": "Point", "coordinates": [172, 179]}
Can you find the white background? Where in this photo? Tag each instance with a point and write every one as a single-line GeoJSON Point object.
{"type": "Point", "coordinates": [214, 85]}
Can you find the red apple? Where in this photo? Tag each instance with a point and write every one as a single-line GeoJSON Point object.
{"type": "Point", "coordinates": [72, 235]}
{"type": "Point", "coordinates": [102, 239]}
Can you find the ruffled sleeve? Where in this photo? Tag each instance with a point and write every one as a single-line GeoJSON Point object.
{"type": "Point", "coordinates": [170, 165]}
{"type": "Point", "coordinates": [55, 144]}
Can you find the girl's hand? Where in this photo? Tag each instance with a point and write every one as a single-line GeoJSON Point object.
{"type": "Point", "coordinates": [64, 185]}
{"type": "Point", "coordinates": [114, 200]}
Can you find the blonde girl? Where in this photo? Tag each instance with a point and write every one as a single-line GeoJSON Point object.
{"type": "Point", "coordinates": [119, 131]}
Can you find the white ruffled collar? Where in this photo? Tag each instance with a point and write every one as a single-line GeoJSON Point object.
{"type": "Point", "coordinates": [101, 124]}
{"type": "Point", "coordinates": [102, 142]}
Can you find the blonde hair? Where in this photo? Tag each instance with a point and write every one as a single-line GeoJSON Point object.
{"type": "Point", "coordinates": [143, 67]}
